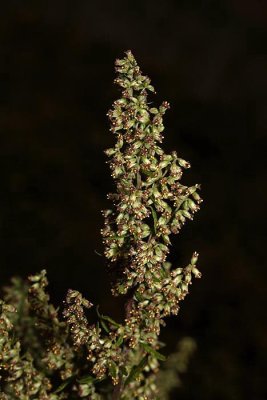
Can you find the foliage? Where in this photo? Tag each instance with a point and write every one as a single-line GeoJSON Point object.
{"type": "Point", "coordinates": [48, 357]}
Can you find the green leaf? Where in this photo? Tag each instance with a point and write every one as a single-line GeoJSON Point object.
{"type": "Point", "coordinates": [136, 370]}
{"type": "Point", "coordinates": [63, 385]}
{"type": "Point", "coordinates": [106, 318]}
{"type": "Point", "coordinates": [86, 379]}
{"type": "Point", "coordinates": [110, 320]}
{"type": "Point", "coordinates": [119, 341]}
{"type": "Point", "coordinates": [163, 273]}
{"type": "Point", "coordinates": [113, 369]}
{"type": "Point", "coordinates": [153, 352]}
{"type": "Point", "coordinates": [155, 218]}
{"type": "Point", "coordinates": [104, 326]}
{"type": "Point", "coordinates": [138, 296]}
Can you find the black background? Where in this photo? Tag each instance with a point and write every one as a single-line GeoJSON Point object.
{"type": "Point", "coordinates": [208, 59]}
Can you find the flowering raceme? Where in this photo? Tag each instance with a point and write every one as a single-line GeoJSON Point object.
{"type": "Point", "coordinates": [71, 358]}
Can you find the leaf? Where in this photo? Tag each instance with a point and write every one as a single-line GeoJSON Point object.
{"type": "Point", "coordinates": [163, 273]}
{"type": "Point", "coordinates": [104, 326]}
{"type": "Point", "coordinates": [113, 369]}
{"type": "Point", "coordinates": [153, 352]}
{"type": "Point", "coordinates": [155, 218]}
{"type": "Point", "coordinates": [110, 320]}
{"type": "Point", "coordinates": [86, 379]}
{"type": "Point", "coordinates": [63, 385]}
{"type": "Point", "coordinates": [136, 370]}
{"type": "Point", "coordinates": [119, 341]}
{"type": "Point", "coordinates": [138, 296]}
{"type": "Point", "coordinates": [106, 318]}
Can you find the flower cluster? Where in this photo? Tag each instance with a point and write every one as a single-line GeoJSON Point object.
{"type": "Point", "coordinates": [46, 357]}
{"type": "Point", "coordinates": [149, 204]}
{"type": "Point", "coordinates": [19, 379]}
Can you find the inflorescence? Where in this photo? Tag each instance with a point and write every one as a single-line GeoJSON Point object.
{"type": "Point", "coordinates": [110, 360]}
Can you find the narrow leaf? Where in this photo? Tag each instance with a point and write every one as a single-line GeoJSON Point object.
{"type": "Point", "coordinates": [153, 352]}
{"type": "Point", "coordinates": [119, 341]}
{"type": "Point", "coordinates": [63, 385]}
{"type": "Point", "coordinates": [155, 218]}
{"type": "Point", "coordinates": [113, 369]}
{"type": "Point", "coordinates": [136, 370]}
{"type": "Point", "coordinates": [106, 318]}
{"type": "Point", "coordinates": [110, 320]}
{"type": "Point", "coordinates": [86, 379]}
{"type": "Point", "coordinates": [104, 326]}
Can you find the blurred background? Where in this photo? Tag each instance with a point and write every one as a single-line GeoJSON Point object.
{"type": "Point", "coordinates": [208, 59]}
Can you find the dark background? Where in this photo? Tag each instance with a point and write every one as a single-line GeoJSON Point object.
{"type": "Point", "coordinates": [208, 58]}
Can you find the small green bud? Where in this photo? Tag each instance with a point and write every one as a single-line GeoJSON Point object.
{"type": "Point", "coordinates": [183, 163]}
{"type": "Point", "coordinates": [196, 197]}
{"type": "Point", "coordinates": [175, 169]}
{"type": "Point", "coordinates": [145, 160]}
{"type": "Point", "coordinates": [144, 117]}
{"type": "Point", "coordinates": [196, 272]}
{"type": "Point", "coordinates": [137, 145]}
{"type": "Point", "coordinates": [164, 164]}
{"type": "Point", "coordinates": [186, 214]}
{"type": "Point", "coordinates": [110, 152]}
{"type": "Point", "coordinates": [145, 230]}
{"type": "Point", "coordinates": [120, 62]}
{"type": "Point", "coordinates": [161, 221]}
{"type": "Point", "coordinates": [194, 258]}
{"type": "Point", "coordinates": [166, 239]}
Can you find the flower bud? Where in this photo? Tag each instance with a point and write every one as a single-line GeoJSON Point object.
{"type": "Point", "coordinates": [194, 258]}
{"type": "Point", "coordinates": [137, 145]}
{"type": "Point", "coordinates": [144, 117]}
{"type": "Point", "coordinates": [196, 272]}
{"type": "Point", "coordinates": [161, 221]}
{"type": "Point", "coordinates": [164, 164]}
{"type": "Point", "coordinates": [186, 214]}
{"type": "Point", "coordinates": [183, 163]}
{"type": "Point", "coordinates": [110, 152]}
{"type": "Point", "coordinates": [196, 197]}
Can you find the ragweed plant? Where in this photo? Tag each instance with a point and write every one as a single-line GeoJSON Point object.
{"type": "Point", "coordinates": [48, 355]}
